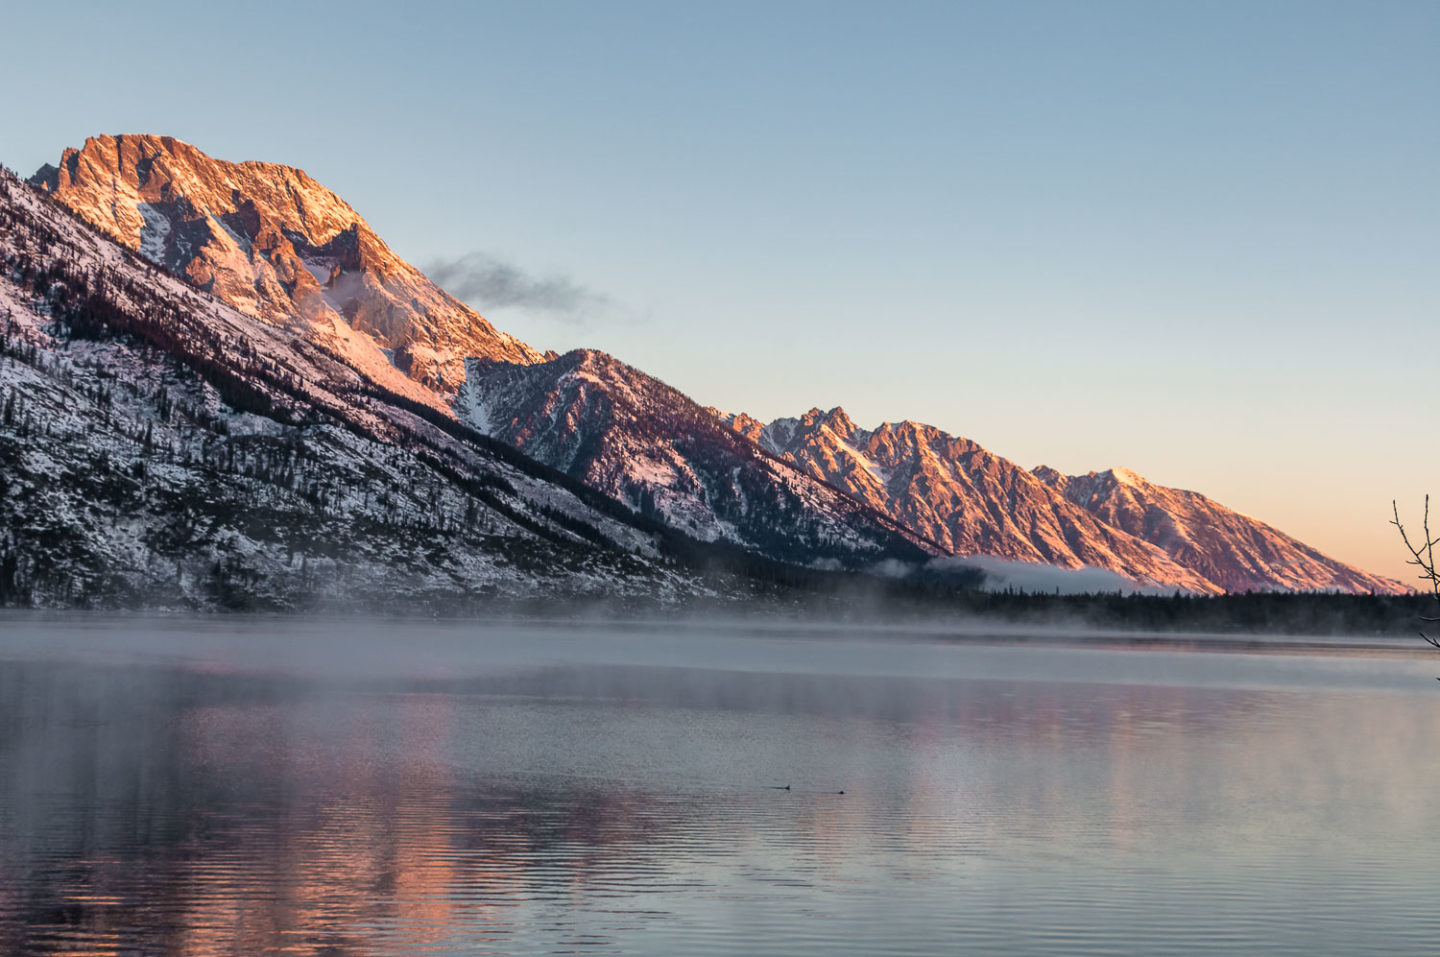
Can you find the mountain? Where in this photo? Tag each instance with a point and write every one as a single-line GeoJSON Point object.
{"type": "Point", "coordinates": [160, 448]}
{"type": "Point", "coordinates": [292, 258]}
{"type": "Point", "coordinates": [973, 502]}
{"type": "Point", "coordinates": [952, 491]}
{"type": "Point", "coordinates": [652, 448]}
{"type": "Point", "coordinates": [279, 247]}
{"type": "Point", "coordinates": [1234, 551]}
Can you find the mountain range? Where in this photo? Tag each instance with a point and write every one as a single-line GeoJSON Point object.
{"type": "Point", "coordinates": [261, 306]}
{"type": "Point", "coordinates": [974, 502]}
{"type": "Point", "coordinates": [160, 448]}
{"type": "Point", "coordinates": [969, 500]}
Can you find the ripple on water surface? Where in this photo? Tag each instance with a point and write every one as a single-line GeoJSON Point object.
{"type": "Point", "coordinates": [615, 806]}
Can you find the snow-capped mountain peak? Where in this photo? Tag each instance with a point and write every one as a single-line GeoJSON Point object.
{"type": "Point", "coordinates": [1126, 477]}
{"type": "Point", "coordinates": [279, 246]}
{"type": "Point", "coordinates": [648, 445]}
{"type": "Point", "coordinates": [281, 249]}
{"type": "Point", "coordinates": [950, 490]}
{"type": "Point", "coordinates": [158, 446]}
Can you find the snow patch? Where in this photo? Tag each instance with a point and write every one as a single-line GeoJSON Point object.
{"type": "Point", "coordinates": [778, 437]}
{"type": "Point", "coordinates": [240, 241]}
{"type": "Point", "coordinates": [645, 470]}
{"type": "Point", "coordinates": [361, 352]}
{"type": "Point", "coordinates": [1126, 477]}
{"type": "Point", "coordinates": [321, 269]}
{"type": "Point", "coordinates": [878, 472]}
{"type": "Point", "coordinates": [470, 403]}
{"type": "Point", "coordinates": [154, 233]}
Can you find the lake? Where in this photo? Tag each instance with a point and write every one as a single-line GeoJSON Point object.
{"type": "Point", "coordinates": [243, 786]}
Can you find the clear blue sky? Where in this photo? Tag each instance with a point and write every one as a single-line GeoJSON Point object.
{"type": "Point", "coordinates": [1198, 240]}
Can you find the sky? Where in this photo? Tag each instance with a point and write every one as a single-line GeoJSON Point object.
{"type": "Point", "coordinates": [1196, 240]}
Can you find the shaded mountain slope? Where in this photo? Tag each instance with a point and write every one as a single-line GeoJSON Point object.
{"type": "Point", "coordinates": [652, 448]}
{"type": "Point", "coordinates": [157, 447]}
{"type": "Point", "coordinates": [280, 247]}
{"type": "Point", "coordinates": [284, 250]}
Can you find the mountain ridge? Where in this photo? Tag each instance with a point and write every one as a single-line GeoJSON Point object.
{"type": "Point", "coordinates": [913, 471]}
{"type": "Point", "coordinates": [278, 246]}
{"type": "Point", "coordinates": [655, 449]}
{"type": "Point", "coordinates": [955, 492]}
{"type": "Point", "coordinates": [1236, 551]}
{"type": "Point", "coordinates": [285, 250]}
{"type": "Point", "coordinates": [159, 448]}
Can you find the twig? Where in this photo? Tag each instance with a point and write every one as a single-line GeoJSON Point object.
{"type": "Point", "coordinates": [1423, 557]}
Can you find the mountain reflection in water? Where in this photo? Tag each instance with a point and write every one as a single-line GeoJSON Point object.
{"type": "Point", "coordinates": [184, 805]}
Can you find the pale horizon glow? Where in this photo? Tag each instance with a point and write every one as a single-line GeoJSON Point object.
{"type": "Point", "coordinates": [1197, 241]}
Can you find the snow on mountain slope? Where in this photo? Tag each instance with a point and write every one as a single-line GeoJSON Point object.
{"type": "Point", "coordinates": [637, 439]}
{"type": "Point", "coordinates": [278, 246]}
{"type": "Point", "coordinates": [158, 447]}
{"type": "Point", "coordinates": [954, 492]}
{"type": "Point", "coordinates": [1237, 552]}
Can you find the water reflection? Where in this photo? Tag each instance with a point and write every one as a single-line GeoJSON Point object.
{"type": "Point", "coordinates": [620, 808]}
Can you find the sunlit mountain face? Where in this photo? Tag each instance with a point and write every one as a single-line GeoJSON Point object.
{"type": "Point", "coordinates": [955, 492]}
{"type": "Point", "coordinates": [1234, 551]}
{"type": "Point", "coordinates": [278, 246]}
{"type": "Point", "coordinates": [284, 252]}
{"type": "Point", "coordinates": [648, 445]}
{"type": "Point", "coordinates": [974, 502]}
{"type": "Point", "coordinates": [159, 447]}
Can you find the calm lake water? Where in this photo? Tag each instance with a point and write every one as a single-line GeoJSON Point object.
{"type": "Point", "coordinates": [262, 787]}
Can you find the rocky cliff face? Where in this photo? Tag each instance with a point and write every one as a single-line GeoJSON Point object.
{"type": "Point", "coordinates": [954, 492]}
{"type": "Point", "coordinates": [1232, 550]}
{"type": "Point", "coordinates": [635, 438]}
{"type": "Point", "coordinates": [160, 448]}
{"type": "Point", "coordinates": [288, 255]}
{"type": "Point", "coordinates": [973, 502]}
{"type": "Point", "coordinates": [279, 247]}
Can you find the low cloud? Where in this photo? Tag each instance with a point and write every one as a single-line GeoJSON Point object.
{"type": "Point", "coordinates": [1001, 574]}
{"type": "Point", "coordinates": [490, 283]}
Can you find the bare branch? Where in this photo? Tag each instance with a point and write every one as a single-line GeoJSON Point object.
{"type": "Point", "coordinates": [1423, 557]}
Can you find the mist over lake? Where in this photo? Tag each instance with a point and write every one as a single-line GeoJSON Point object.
{"type": "Point", "coordinates": [819, 479]}
{"type": "Point", "coordinates": [258, 786]}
